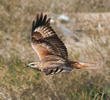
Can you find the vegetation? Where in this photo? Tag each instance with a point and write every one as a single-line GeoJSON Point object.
{"type": "Point", "coordinates": [89, 42]}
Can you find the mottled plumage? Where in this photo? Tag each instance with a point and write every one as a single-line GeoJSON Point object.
{"type": "Point", "coordinates": [50, 49]}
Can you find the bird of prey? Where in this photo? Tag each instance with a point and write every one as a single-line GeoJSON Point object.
{"type": "Point", "coordinates": [51, 50]}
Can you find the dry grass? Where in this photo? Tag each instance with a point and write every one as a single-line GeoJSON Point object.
{"type": "Point", "coordinates": [89, 42]}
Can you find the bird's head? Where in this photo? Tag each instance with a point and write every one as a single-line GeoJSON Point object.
{"type": "Point", "coordinates": [34, 65]}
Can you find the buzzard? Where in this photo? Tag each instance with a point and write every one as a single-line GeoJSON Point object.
{"type": "Point", "coordinates": [51, 50]}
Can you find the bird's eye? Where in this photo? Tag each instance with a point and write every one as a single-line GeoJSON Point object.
{"type": "Point", "coordinates": [32, 64]}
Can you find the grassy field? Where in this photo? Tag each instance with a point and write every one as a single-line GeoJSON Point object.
{"type": "Point", "coordinates": [89, 23]}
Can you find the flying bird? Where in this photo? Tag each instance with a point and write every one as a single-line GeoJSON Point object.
{"type": "Point", "coordinates": [51, 50]}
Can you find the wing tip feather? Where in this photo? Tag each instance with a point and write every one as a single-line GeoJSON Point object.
{"type": "Point", "coordinates": [40, 21]}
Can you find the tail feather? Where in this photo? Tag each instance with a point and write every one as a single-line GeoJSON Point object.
{"type": "Point", "coordinates": [80, 65]}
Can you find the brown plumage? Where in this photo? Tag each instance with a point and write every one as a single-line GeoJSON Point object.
{"type": "Point", "coordinates": [51, 50]}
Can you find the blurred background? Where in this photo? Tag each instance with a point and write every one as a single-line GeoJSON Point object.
{"type": "Point", "coordinates": [84, 27]}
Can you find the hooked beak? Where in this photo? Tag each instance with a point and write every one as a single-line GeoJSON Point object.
{"type": "Point", "coordinates": [28, 65]}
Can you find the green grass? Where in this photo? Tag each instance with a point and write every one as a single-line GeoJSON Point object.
{"type": "Point", "coordinates": [93, 94]}
{"type": "Point", "coordinates": [18, 77]}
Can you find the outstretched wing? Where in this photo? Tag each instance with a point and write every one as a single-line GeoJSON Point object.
{"type": "Point", "coordinates": [44, 40]}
